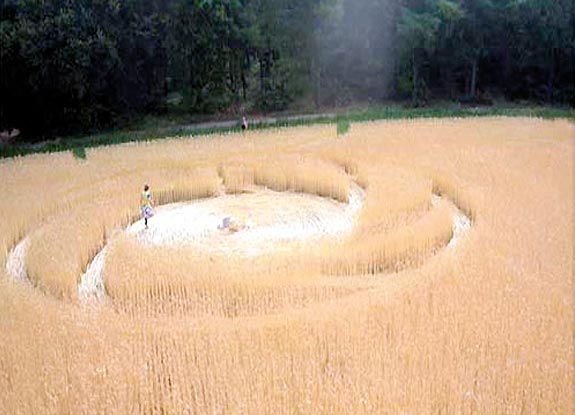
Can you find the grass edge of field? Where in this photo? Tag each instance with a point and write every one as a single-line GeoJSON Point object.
{"type": "Point", "coordinates": [78, 144]}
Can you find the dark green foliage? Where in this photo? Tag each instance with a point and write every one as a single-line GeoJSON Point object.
{"type": "Point", "coordinates": [70, 66]}
{"type": "Point", "coordinates": [343, 126]}
{"type": "Point", "coordinates": [80, 66]}
{"type": "Point", "coordinates": [79, 152]}
{"type": "Point", "coordinates": [479, 49]}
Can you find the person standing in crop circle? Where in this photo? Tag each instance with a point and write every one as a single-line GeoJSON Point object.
{"type": "Point", "coordinates": [146, 205]}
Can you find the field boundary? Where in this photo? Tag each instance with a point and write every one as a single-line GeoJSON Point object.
{"type": "Point", "coordinates": [78, 144]}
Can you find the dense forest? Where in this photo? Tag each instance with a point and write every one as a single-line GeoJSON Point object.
{"type": "Point", "coordinates": [71, 66]}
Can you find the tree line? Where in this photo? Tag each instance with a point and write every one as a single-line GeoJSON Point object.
{"type": "Point", "coordinates": [70, 66]}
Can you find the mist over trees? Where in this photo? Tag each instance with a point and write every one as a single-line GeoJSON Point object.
{"type": "Point", "coordinates": [70, 66]}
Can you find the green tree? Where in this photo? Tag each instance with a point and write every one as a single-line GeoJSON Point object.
{"type": "Point", "coordinates": [71, 66]}
{"type": "Point", "coordinates": [418, 30]}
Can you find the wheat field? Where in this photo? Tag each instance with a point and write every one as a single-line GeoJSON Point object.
{"type": "Point", "coordinates": [395, 313]}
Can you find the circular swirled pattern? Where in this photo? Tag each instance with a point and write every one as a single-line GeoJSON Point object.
{"type": "Point", "coordinates": [256, 222]}
{"type": "Point", "coordinates": [406, 267]}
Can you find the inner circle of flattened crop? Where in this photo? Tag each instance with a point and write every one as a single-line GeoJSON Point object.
{"type": "Point", "coordinates": [248, 224]}
{"type": "Point", "coordinates": [244, 225]}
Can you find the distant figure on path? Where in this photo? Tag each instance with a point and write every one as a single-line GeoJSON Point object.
{"type": "Point", "coordinates": [146, 204]}
{"type": "Point", "coordinates": [244, 124]}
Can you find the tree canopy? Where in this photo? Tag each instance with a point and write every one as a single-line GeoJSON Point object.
{"type": "Point", "coordinates": [71, 66]}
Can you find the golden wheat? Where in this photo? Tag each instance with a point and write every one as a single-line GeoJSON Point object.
{"type": "Point", "coordinates": [385, 319]}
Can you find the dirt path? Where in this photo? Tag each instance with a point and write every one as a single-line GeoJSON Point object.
{"type": "Point", "coordinates": [258, 121]}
